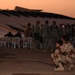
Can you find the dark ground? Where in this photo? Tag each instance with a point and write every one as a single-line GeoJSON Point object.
{"type": "Point", "coordinates": [28, 62]}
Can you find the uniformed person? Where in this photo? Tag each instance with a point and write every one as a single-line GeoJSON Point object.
{"type": "Point", "coordinates": [36, 32]}
{"type": "Point", "coordinates": [54, 30]}
{"type": "Point", "coordinates": [68, 51]}
{"type": "Point", "coordinates": [56, 56]}
{"type": "Point", "coordinates": [46, 34]}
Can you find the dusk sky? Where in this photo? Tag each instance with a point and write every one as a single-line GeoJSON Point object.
{"type": "Point", "coordinates": [65, 7]}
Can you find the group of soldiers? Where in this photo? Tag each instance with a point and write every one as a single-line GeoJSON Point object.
{"type": "Point", "coordinates": [59, 39]}
{"type": "Point", "coordinates": [45, 36]}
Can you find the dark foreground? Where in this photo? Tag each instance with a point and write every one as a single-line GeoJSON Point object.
{"type": "Point", "coordinates": [28, 62]}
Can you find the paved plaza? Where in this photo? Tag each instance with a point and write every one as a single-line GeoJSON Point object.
{"type": "Point", "coordinates": [28, 62]}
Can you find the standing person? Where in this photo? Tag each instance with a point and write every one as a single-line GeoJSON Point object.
{"type": "Point", "coordinates": [62, 29]}
{"type": "Point", "coordinates": [28, 30]}
{"type": "Point", "coordinates": [41, 37]}
{"type": "Point", "coordinates": [36, 32]}
{"type": "Point", "coordinates": [54, 35]}
{"type": "Point", "coordinates": [22, 39]}
{"type": "Point", "coordinates": [46, 34]}
{"type": "Point", "coordinates": [28, 35]}
{"type": "Point", "coordinates": [72, 34]}
{"type": "Point", "coordinates": [72, 30]}
{"type": "Point", "coordinates": [67, 29]}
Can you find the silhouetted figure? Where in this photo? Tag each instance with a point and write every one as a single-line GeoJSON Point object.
{"type": "Point", "coordinates": [28, 30]}
{"type": "Point", "coordinates": [36, 32]}
{"type": "Point", "coordinates": [72, 28]}
{"type": "Point", "coordinates": [9, 34]}
{"type": "Point", "coordinates": [46, 34]}
{"type": "Point", "coordinates": [54, 29]}
{"type": "Point", "coordinates": [67, 29]}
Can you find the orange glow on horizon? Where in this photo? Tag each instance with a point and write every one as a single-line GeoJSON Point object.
{"type": "Point", "coordinates": [65, 7]}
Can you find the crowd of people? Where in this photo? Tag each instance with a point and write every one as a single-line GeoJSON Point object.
{"type": "Point", "coordinates": [59, 39]}
{"type": "Point", "coordinates": [45, 36]}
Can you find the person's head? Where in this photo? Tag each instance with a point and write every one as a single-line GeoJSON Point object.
{"type": "Point", "coordinates": [65, 38]}
{"type": "Point", "coordinates": [28, 25]}
{"type": "Point", "coordinates": [9, 32]}
{"type": "Point", "coordinates": [46, 22]}
{"type": "Point", "coordinates": [59, 43]}
{"type": "Point", "coordinates": [54, 22]}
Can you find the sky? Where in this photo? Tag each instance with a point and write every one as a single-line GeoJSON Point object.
{"type": "Point", "coordinates": [65, 7]}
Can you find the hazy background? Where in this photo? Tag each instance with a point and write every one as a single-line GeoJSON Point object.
{"type": "Point", "coordinates": [65, 7]}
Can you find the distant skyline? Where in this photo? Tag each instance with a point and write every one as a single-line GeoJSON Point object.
{"type": "Point", "coordinates": [64, 7]}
